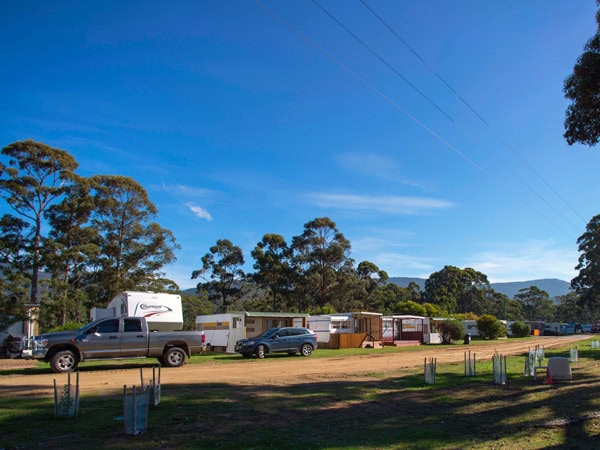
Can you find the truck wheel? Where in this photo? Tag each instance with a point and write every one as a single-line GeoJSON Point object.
{"type": "Point", "coordinates": [174, 357]}
{"type": "Point", "coordinates": [260, 351]}
{"type": "Point", "coordinates": [306, 350]}
{"type": "Point", "coordinates": [64, 361]}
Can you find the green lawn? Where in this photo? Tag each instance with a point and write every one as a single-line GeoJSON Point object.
{"type": "Point", "coordinates": [380, 413]}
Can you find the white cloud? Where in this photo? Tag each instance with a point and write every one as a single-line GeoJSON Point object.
{"type": "Point", "coordinates": [188, 191]}
{"type": "Point", "coordinates": [394, 204]}
{"type": "Point", "coordinates": [199, 212]}
{"type": "Point", "coordinates": [376, 166]}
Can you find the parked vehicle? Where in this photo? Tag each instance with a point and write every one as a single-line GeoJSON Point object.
{"type": "Point", "coordinates": [163, 312]}
{"type": "Point", "coordinates": [112, 338]}
{"type": "Point", "coordinates": [287, 339]}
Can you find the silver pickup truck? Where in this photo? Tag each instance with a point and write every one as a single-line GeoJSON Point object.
{"type": "Point", "coordinates": [112, 338]}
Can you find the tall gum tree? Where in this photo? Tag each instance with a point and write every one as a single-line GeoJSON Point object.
{"type": "Point", "coordinates": [322, 256]}
{"type": "Point", "coordinates": [274, 270]}
{"type": "Point", "coordinates": [587, 282]}
{"type": "Point", "coordinates": [132, 246]}
{"type": "Point", "coordinates": [222, 271]}
{"type": "Point", "coordinates": [70, 245]}
{"type": "Point", "coordinates": [582, 87]}
{"type": "Point", "coordinates": [34, 177]}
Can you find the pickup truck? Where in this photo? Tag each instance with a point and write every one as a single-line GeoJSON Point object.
{"type": "Point", "coordinates": [112, 338]}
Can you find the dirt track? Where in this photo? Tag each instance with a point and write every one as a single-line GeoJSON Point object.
{"type": "Point", "coordinates": [273, 371]}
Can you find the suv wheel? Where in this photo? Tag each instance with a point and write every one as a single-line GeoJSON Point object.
{"type": "Point", "coordinates": [306, 350]}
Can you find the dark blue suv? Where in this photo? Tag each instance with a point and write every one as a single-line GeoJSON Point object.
{"type": "Point", "coordinates": [287, 339]}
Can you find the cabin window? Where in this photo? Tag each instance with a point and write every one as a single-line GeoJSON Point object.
{"type": "Point", "coordinates": [132, 325]}
{"type": "Point", "coordinates": [108, 326]}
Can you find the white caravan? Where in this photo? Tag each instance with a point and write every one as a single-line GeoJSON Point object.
{"type": "Point", "coordinates": [163, 312]}
{"type": "Point", "coordinates": [222, 331]}
{"type": "Point", "coordinates": [327, 324]}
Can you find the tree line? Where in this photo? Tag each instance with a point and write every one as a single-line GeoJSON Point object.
{"type": "Point", "coordinates": [71, 243]}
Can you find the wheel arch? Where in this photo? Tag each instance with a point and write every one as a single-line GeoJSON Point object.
{"type": "Point", "coordinates": [62, 347]}
{"type": "Point", "coordinates": [181, 344]}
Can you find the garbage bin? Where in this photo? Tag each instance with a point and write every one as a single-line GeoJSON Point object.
{"type": "Point", "coordinates": [467, 338]}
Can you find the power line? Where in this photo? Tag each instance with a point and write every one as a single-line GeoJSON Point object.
{"type": "Point", "coordinates": [473, 110]}
{"type": "Point", "coordinates": [336, 61]}
{"type": "Point", "coordinates": [366, 83]}
{"type": "Point", "coordinates": [454, 122]}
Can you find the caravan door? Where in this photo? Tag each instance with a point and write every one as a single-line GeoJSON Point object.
{"type": "Point", "coordinates": [236, 332]}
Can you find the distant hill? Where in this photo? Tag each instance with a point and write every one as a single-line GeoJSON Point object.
{"type": "Point", "coordinates": [553, 286]}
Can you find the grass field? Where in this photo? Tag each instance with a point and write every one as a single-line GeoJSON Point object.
{"type": "Point", "coordinates": [380, 412]}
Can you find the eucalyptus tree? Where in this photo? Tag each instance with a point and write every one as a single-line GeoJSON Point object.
{"type": "Point", "coordinates": [536, 303]}
{"type": "Point", "coordinates": [223, 274]}
{"type": "Point", "coordinates": [132, 246]}
{"type": "Point", "coordinates": [582, 87]}
{"type": "Point", "coordinates": [372, 280]}
{"type": "Point", "coordinates": [71, 243]}
{"type": "Point", "coordinates": [503, 307]}
{"type": "Point", "coordinates": [321, 257]}
{"type": "Point", "coordinates": [456, 290]}
{"type": "Point", "coordinates": [34, 177]}
{"type": "Point", "coordinates": [275, 273]}
{"type": "Point", "coordinates": [569, 309]}
{"type": "Point", "coordinates": [14, 286]}
{"type": "Point", "coordinates": [587, 282]}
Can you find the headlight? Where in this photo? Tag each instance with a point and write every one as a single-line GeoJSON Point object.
{"type": "Point", "coordinates": [41, 343]}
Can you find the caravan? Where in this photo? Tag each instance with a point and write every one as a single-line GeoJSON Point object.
{"type": "Point", "coordinates": [221, 331]}
{"type": "Point", "coordinates": [163, 312]}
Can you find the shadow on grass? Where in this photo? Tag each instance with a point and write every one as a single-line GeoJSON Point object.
{"type": "Point", "coordinates": [399, 412]}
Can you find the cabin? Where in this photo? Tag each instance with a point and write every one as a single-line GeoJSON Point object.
{"type": "Point", "coordinates": [222, 331]}
{"type": "Point", "coordinates": [347, 330]}
{"type": "Point", "coordinates": [399, 330]}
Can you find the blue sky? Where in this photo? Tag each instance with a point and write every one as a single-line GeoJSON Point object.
{"type": "Point", "coordinates": [242, 118]}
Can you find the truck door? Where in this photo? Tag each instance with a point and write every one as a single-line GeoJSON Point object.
{"type": "Point", "coordinates": [133, 338]}
{"type": "Point", "coordinates": [102, 341]}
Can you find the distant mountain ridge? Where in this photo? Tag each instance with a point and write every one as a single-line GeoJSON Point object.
{"type": "Point", "coordinates": [553, 286]}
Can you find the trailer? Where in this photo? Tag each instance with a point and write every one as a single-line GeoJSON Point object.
{"type": "Point", "coordinates": [221, 331]}
{"type": "Point", "coordinates": [163, 312]}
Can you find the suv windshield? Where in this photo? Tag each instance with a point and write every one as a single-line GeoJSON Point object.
{"type": "Point", "coordinates": [268, 333]}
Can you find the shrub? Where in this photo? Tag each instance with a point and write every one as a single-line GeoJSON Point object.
{"type": "Point", "coordinates": [520, 329]}
{"type": "Point", "coordinates": [450, 331]}
{"type": "Point", "coordinates": [490, 328]}
{"type": "Point", "coordinates": [67, 327]}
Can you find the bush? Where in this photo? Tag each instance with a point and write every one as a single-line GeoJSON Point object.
{"type": "Point", "coordinates": [490, 328]}
{"type": "Point", "coordinates": [450, 331]}
{"type": "Point", "coordinates": [66, 327]}
{"type": "Point", "coordinates": [520, 329]}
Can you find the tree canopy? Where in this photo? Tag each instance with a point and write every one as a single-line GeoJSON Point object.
{"type": "Point", "coordinates": [587, 282]}
{"type": "Point", "coordinates": [582, 87]}
{"type": "Point", "coordinates": [89, 237]}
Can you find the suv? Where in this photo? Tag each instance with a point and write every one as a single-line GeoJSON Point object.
{"type": "Point", "coordinates": [289, 339]}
